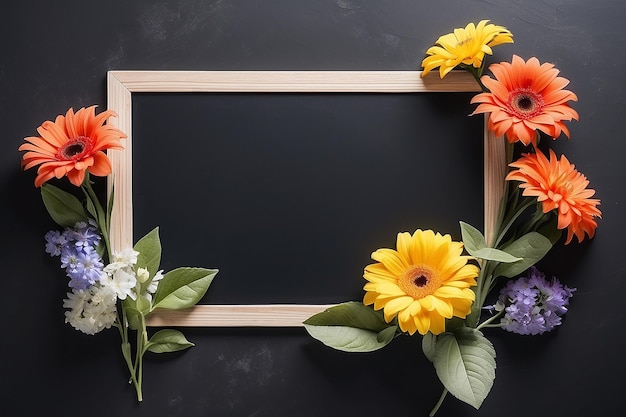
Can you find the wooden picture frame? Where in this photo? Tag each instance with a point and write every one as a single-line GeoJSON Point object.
{"type": "Point", "coordinates": [122, 84]}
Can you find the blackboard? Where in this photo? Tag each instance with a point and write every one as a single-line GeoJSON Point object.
{"type": "Point", "coordinates": [289, 189]}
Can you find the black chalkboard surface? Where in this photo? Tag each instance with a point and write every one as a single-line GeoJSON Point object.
{"type": "Point", "coordinates": [288, 194]}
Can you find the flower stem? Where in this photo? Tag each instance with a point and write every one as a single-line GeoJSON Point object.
{"type": "Point", "coordinates": [487, 322]}
{"type": "Point", "coordinates": [439, 402]}
{"type": "Point", "coordinates": [520, 209]}
{"type": "Point", "coordinates": [537, 220]}
{"type": "Point", "coordinates": [100, 214]}
{"type": "Point", "coordinates": [483, 285]}
{"type": "Point", "coordinates": [133, 369]}
{"type": "Point", "coordinates": [142, 340]}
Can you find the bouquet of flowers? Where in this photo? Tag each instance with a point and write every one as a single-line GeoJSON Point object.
{"type": "Point", "coordinates": [427, 285]}
{"type": "Point", "coordinates": [107, 288]}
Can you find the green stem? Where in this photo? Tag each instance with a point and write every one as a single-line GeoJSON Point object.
{"type": "Point", "coordinates": [135, 369]}
{"type": "Point", "coordinates": [138, 369]}
{"type": "Point", "coordinates": [101, 217]}
{"type": "Point", "coordinates": [487, 322]}
{"type": "Point", "coordinates": [538, 219]}
{"type": "Point", "coordinates": [476, 73]}
{"type": "Point", "coordinates": [122, 326]}
{"type": "Point", "coordinates": [483, 285]}
{"type": "Point", "coordinates": [509, 222]}
{"type": "Point", "coordinates": [439, 402]}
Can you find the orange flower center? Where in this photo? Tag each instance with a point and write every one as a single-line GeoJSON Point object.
{"type": "Point", "coordinates": [525, 103]}
{"type": "Point", "coordinates": [418, 281]}
{"type": "Point", "coordinates": [75, 149]}
{"type": "Point", "coordinates": [559, 188]}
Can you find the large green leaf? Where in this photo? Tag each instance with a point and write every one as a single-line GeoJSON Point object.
{"type": "Point", "coordinates": [167, 340]}
{"type": "Point", "coordinates": [351, 314]}
{"type": "Point", "coordinates": [385, 336]}
{"type": "Point", "coordinates": [183, 287]}
{"type": "Point", "coordinates": [64, 208]}
{"type": "Point", "coordinates": [429, 341]}
{"type": "Point", "coordinates": [491, 254]}
{"type": "Point", "coordinates": [347, 339]}
{"type": "Point", "coordinates": [351, 327]}
{"type": "Point", "coordinates": [531, 248]}
{"type": "Point", "coordinates": [149, 248]}
{"type": "Point", "coordinates": [466, 365]}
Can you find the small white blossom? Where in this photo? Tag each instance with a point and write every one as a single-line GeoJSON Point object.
{"type": "Point", "coordinates": [121, 280]}
{"type": "Point", "coordinates": [154, 285]}
{"type": "Point", "coordinates": [127, 256]}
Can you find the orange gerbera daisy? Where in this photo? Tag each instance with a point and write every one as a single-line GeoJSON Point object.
{"type": "Point", "coordinates": [524, 97]}
{"type": "Point", "coordinates": [71, 145]}
{"type": "Point", "coordinates": [559, 186]}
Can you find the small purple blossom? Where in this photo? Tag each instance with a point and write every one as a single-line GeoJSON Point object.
{"type": "Point", "coordinates": [533, 305]}
{"type": "Point", "coordinates": [69, 257]}
{"type": "Point", "coordinates": [86, 271]}
{"type": "Point", "coordinates": [84, 235]}
{"type": "Point", "coordinates": [55, 242]}
{"type": "Point", "coordinates": [77, 248]}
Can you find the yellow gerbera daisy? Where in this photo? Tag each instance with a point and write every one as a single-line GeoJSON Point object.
{"type": "Point", "coordinates": [465, 47]}
{"type": "Point", "coordinates": [425, 281]}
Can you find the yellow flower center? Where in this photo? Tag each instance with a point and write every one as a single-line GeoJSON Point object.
{"type": "Point", "coordinates": [75, 149]}
{"type": "Point", "coordinates": [525, 103]}
{"type": "Point", "coordinates": [418, 281]}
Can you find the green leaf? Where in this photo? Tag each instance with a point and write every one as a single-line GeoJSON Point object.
{"type": "Point", "coordinates": [134, 317]}
{"type": "Point", "coordinates": [429, 342]}
{"type": "Point", "coordinates": [351, 327]}
{"type": "Point", "coordinates": [110, 206]}
{"type": "Point", "coordinates": [386, 335]}
{"type": "Point", "coordinates": [149, 248]}
{"type": "Point", "coordinates": [351, 314]}
{"type": "Point", "coordinates": [64, 208]}
{"type": "Point", "coordinates": [347, 339]}
{"type": "Point", "coordinates": [183, 287]}
{"type": "Point", "coordinates": [92, 209]}
{"type": "Point", "coordinates": [531, 248]}
{"type": "Point", "coordinates": [142, 304]}
{"type": "Point", "coordinates": [474, 243]}
{"type": "Point", "coordinates": [167, 340]}
{"type": "Point", "coordinates": [473, 240]}
{"type": "Point", "coordinates": [466, 365]}
{"type": "Point", "coordinates": [491, 254]}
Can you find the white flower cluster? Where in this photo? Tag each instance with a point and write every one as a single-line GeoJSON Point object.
{"type": "Point", "coordinates": [94, 309]}
{"type": "Point", "coordinates": [91, 310]}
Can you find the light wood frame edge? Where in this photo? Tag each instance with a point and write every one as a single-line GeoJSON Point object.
{"type": "Point", "coordinates": [121, 85]}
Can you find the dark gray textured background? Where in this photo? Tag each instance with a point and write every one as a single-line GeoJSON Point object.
{"type": "Point", "coordinates": [55, 55]}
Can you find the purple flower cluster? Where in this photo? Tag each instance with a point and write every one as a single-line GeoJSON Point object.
{"type": "Point", "coordinates": [533, 305]}
{"type": "Point", "coordinates": [77, 248]}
